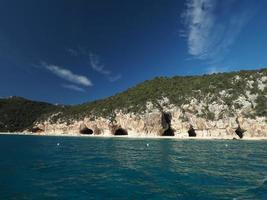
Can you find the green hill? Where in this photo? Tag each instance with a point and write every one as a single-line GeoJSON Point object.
{"type": "Point", "coordinates": [17, 114]}
{"type": "Point", "coordinates": [180, 90]}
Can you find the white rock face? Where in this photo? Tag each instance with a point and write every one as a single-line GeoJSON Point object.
{"type": "Point", "coordinates": [262, 82]}
{"type": "Point", "coordinates": [150, 122]}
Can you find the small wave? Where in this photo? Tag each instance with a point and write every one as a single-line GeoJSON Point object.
{"type": "Point", "coordinates": [260, 191]}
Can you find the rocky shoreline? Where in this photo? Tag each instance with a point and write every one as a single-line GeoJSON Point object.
{"type": "Point", "coordinates": [229, 105]}
{"type": "Point", "coordinates": [157, 124]}
{"type": "Point", "coordinates": [133, 137]}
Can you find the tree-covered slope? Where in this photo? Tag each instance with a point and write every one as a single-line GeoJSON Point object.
{"type": "Point", "coordinates": [232, 90]}
{"type": "Point", "coordinates": [180, 90]}
{"type": "Point", "coordinates": [17, 114]}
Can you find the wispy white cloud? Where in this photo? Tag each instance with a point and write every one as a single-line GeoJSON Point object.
{"type": "Point", "coordinates": [199, 19]}
{"type": "Point", "coordinates": [210, 32]}
{"type": "Point", "coordinates": [72, 52]}
{"type": "Point", "coordinates": [114, 78]}
{"type": "Point", "coordinates": [94, 62]}
{"type": "Point", "coordinates": [68, 75]}
{"type": "Point", "coordinates": [73, 87]}
{"type": "Point", "coordinates": [96, 65]}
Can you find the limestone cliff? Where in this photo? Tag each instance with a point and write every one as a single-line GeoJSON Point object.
{"type": "Point", "coordinates": [222, 105]}
{"type": "Point", "coordinates": [151, 124]}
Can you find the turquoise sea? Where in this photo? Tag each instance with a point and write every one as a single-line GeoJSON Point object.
{"type": "Point", "coordinates": [39, 167]}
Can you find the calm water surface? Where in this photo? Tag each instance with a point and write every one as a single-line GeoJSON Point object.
{"type": "Point", "coordinates": [33, 167]}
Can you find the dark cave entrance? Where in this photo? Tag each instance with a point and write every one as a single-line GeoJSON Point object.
{"type": "Point", "coordinates": [166, 118]}
{"type": "Point", "coordinates": [121, 131]}
{"type": "Point", "coordinates": [86, 131]}
{"type": "Point", "coordinates": [191, 132]}
{"type": "Point", "coordinates": [37, 130]}
{"type": "Point", "coordinates": [168, 132]}
{"type": "Point", "coordinates": [240, 132]}
{"type": "Point", "coordinates": [166, 124]}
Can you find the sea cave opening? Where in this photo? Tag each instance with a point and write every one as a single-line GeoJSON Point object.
{"type": "Point", "coordinates": [240, 132]}
{"type": "Point", "coordinates": [168, 132]}
{"type": "Point", "coordinates": [166, 124]}
{"type": "Point", "coordinates": [37, 130]}
{"type": "Point", "coordinates": [121, 131]}
{"type": "Point", "coordinates": [86, 131]}
{"type": "Point", "coordinates": [191, 132]}
{"type": "Point", "coordinates": [166, 118]}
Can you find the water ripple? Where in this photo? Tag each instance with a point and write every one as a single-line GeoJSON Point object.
{"type": "Point", "coordinates": [120, 168]}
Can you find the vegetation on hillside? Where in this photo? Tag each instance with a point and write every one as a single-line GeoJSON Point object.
{"type": "Point", "coordinates": [17, 114]}
{"type": "Point", "coordinates": [179, 90]}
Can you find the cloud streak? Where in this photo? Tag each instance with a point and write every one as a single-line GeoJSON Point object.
{"type": "Point", "coordinates": [114, 78]}
{"type": "Point", "coordinates": [72, 52]}
{"type": "Point", "coordinates": [96, 65]}
{"type": "Point", "coordinates": [94, 62]}
{"type": "Point", "coordinates": [68, 75]}
{"type": "Point", "coordinates": [210, 32]}
{"type": "Point", "coordinates": [73, 87]}
{"type": "Point", "coordinates": [199, 19]}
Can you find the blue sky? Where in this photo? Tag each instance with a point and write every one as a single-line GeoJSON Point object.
{"type": "Point", "coordinates": [69, 52]}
